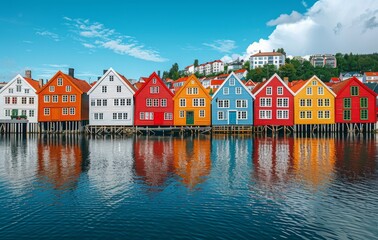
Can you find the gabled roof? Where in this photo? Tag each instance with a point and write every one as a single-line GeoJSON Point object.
{"type": "Point", "coordinates": [138, 85]}
{"type": "Point", "coordinates": [152, 76]}
{"type": "Point", "coordinates": [339, 87]}
{"type": "Point", "coordinates": [188, 79]}
{"type": "Point", "coordinates": [31, 82]}
{"type": "Point", "coordinates": [311, 79]}
{"type": "Point", "coordinates": [216, 82]}
{"type": "Point", "coordinates": [81, 85]}
{"type": "Point", "coordinates": [373, 86]}
{"type": "Point", "coordinates": [232, 74]}
{"type": "Point", "coordinates": [241, 71]}
{"type": "Point", "coordinates": [250, 83]}
{"type": "Point", "coordinates": [298, 85]}
{"type": "Point", "coordinates": [260, 86]}
{"type": "Point", "coordinates": [335, 79]}
{"type": "Point", "coordinates": [183, 79]}
{"type": "Point", "coordinates": [371, 74]}
{"type": "Point", "coordinates": [123, 78]}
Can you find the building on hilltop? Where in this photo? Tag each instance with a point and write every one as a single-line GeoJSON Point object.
{"type": "Point", "coordinates": [208, 68]}
{"type": "Point", "coordinates": [370, 77]}
{"type": "Point", "coordinates": [323, 60]}
{"type": "Point", "coordinates": [263, 58]}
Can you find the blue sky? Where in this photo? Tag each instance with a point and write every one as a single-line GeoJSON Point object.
{"type": "Point", "coordinates": [139, 37]}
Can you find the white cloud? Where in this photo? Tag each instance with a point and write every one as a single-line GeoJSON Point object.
{"type": "Point", "coordinates": [304, 4]}
{"type": "Point", "coordinates": [224, 46]}
{"type": "Point", "coordinates": [329, 26]}
{"type": "Point", "coordinates": [96, 35]}
{"type": "Point", "coordinates": [56, 65]}
{"type": "Point", "coordinates": [284, 18]}
{"type": "Point", "coordinates": [233, 57]}
{"type": "Point", "coordinates": [48, 34]}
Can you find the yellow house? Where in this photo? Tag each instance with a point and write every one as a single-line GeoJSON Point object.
{"type": "Point", "coordinates": [192, 104]}
{"type": "Point", "coordinates": [314, 102]}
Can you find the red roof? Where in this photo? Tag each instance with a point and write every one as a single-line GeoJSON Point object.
{"type": "Point", "coordinates": [183, 79]}
{"type": "Point", "coordinates": [267, 54]}
{"type": "Point", "coordinates": [127, 82]}
{"type": "Point", "coordinates": [371, 74]}
{"type": "Point", "coordinates": [335, 80]}
{"type": "Point", "coordinates": [298, 85]}
{"type": "Point", "coordinates": [81, 84]}
{"type": "Point", "coordinates": [240, 70]}
{"type": "Point", "coordinates": [188, 66]}
{"type": "Point", "coordinates": [258, 86]}
{"type": "Point", "coordinates": [216, 82]}
{"type": "Point", "coordinates": [138, 85]}
{"type": "Point", "coordinates": [33, 83]}
{"type": "Point", "coordinates": [250, 83]}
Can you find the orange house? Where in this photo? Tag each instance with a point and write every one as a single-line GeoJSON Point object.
{"type": "Point", "coordinates": [63, 103]}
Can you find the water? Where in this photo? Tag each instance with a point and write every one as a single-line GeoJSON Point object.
{"type": "Point", "coordinates": [189, 188]}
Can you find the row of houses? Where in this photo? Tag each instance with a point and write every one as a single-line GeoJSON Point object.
{"type": "Point", "coordinates": [66, 102]}
{"type": "Point", "coordinates": [207, 68]}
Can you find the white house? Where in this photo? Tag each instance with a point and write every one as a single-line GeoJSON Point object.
{"type": "Point", "coordinates": [217, 66]}
{"type": "Point", "coordinates": [111, 101]}
{"type": "Point", "coordinates": [18, 99]}
{"type": "Point", "coordinates": [263, 58]}
{"type": "Point", "coordinates": [189, 69]}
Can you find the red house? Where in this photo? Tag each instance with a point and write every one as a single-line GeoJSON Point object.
{"type": "Point", "coordinates": [274, 103]}
{"type": "Point", "coordinates": [355, 102]}
{"type": "Point", "coordinates": [153, 103]}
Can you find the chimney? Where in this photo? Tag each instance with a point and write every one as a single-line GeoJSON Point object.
{"type": "Point", "coordinates": [71, 72]}
{"type": "Point", "coordinates": [259, 51]}
{"type": "Point", "coordinates": [28, 73]}
{"type": "Point", "coordinates": [98, 78]}
{"type": "Point", "coordinates": [264, 79]}
{"type": "Point", "coordinates": [274, 50]}
{"type": "Point", "coordinates": [104, 71]}
{"type": "Point", "coordinates": [159, 73]}
{"type": "Point", "coordinates": [286, 80]}
{"type": "Point", "coordinates": [40, 82]}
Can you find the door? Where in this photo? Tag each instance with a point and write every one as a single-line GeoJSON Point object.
{"type": "Point", "coordinates": [55, 114]}
{"type": "Point", "coordinates": [189, 117]}
{"type": "Point", "coordinates": [158, 118]}
{"type": "Point", "coordinates": [232, 117]}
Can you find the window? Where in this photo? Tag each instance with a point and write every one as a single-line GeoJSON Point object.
{"type": "Point", "coordinates": [31, 100]}
{"type": "Point", "coordinates": [154, 89]}
{"type": "Point", "coordinates": [326, 102]}
{"type": "Point", "coordinates": [10, 90]}
{"type": "Point", "coordinates": [7, 112]}
{"type": "Point", "coordinates": [7, 100]}
{"type": "Point", "coordinates": [27, 90]}
{"type": "Point", "coordinates": [181, 114]}
{"type": "Point", "coordinates": [302, 102]}
{"type": "Point", "coordinates": [192, 91]}
{"type": "Point", "coordinates": [309, 114]}
{"type": "Point", "coordinates": [68, 88]}
{"type": "Point", "coordinates": [282, 102]}
{"type": "Point", "coordinates": [104, 89]}
{"type": "Point", "coordinates": [46, 111]}
{"type": "Point", "coordinates": [141, 115]}
{"type": "Point", "coordinates": [223, 103]}
{"type": "Point", "coordinates": [364, 114]}
{"type": "Point", "coordinates": [60, 82]}
{"type": "Point", "coordinates": [265, 102]}
{"type": "Point", "coordinates": [163, 102]}
{"type": "Point", "coordinates": [114, 116]}
{"type": "Point", "coordinates": [238, 90]}
{"type": "Point", "coordinates": [72, 98]}
{"type": "Point", "coordinates": [23, 100]}
{"type": "Point", "coordinates": [65, 111]}
{"type": "Point", "coordinates": [232, 81]}
{"type": "Point", "coordinates": [320, 102]}
{"type": "Point", "coordinates": [282, 114]}
{"type": "Point", "coordinates": [116, 102]}
{"type": "Point", "coordinates": [364, 102]}
{"type": "Point", "coordinates": [182, 102]}
{"type": "Point", "coordinates": [320, 114]}
{"type": "Point", "coordinates": [104, 102]}
{"type": "Point", "coordinates": [279, 90]}
{"type": "Point", "coordinates": [269, 91]}
{"type": "Point", "coordinates": [314, 83]}
{"type": "Point", "coordinates": [122, 102]}
{"type": "Point", "coordinates": [31, 113]}
{"type": "Point", "coordinates": [72, 111]}
{"type": "Point", "coordinates": [320, 90]}
{"type": "Point", "coordinates": [95, 116]}
{"type": "Point", "coordinates": [23, 112]}
{"type": "Point", "coordinates": [265, 114]}
{"type": "Point", "coordinates": [201, 113]}
{"type": "Point", "coordinates": [198, 102]}
{"type": "Point", "coordinates": [241, 103]}
{"type": "Point", "coordinates": [18, 88]}
{"type": "Point", "coordinates": [52, 88]}
{"type": "Point", "coordinates": [125, 116]}
{"type": "Point", "coordinates": [156, 102]}
{"type": "Point", "coordinates": [354, 90]}
{"type": "Point", "coordinates": [346, 115]}
{"type": "Point", "coordinates": [302, 115]}
{"type": "Point", "coordinates": [98, 101]}
{"type": "Point", "coordinates": [14, 100]}
{"type": "Point", "coordinates": [93, 102]}
{"type": "Point", "coordinates": [111, 78]}
{"type": "Point", "coordinates": [55, 98]}
{"type": "Point", "coordinates": [242, 115]}
{"type": "Point", "coordinates": [309, 102]}
{"type": "Point", "coordinates": [225, 91]}
{"type": "Point", "coordinates": [65, 98]}
{"type": "Point", "coordinates": [168, 116]}
{"type": "Point", "coordinates": [148, 102]}
{"type": "Point", "coordinates": [327, 114]}
{"type": "Point", "coordinates": [18, 80]}
{"type": "Point", "coordinates": [119, 88]}
{"type": "Point", "coordinates": [220, 115]}
{"type": "Point", "coordinates": [347, 102]}
{"type": "Point", "coordinates": [46, 98]}
{"type": "Point", "coordinates": [309, 91]}
{"type": "Point", "coordinates": [154, 80]}
{"type": "Point", "coordinates": [128, 101]}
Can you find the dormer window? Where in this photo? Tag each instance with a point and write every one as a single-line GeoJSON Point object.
{"type": "Point", "coordinates": [111, 78]}
{"type": "Point", "coordinates": [68, 88]}
{"type": "Point", "coordinates": [18, 80]}
{"type": "Point", "coordinates": [60, 81]}
{"type": "Point", "coordinates": [52, 89]}
{"type": "Point", "coordinates": [154, 80]}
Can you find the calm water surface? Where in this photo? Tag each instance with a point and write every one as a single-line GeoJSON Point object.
{"type": "Point", "coordinates": [191, 187]}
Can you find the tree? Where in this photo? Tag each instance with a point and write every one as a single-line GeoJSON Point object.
{"type": "Point", "coordinates": [246, 65]}
{"type": "Point", "coordinates": [281, 50]}
{"type": "Point", "coordinates": [288, 70]}
{"type": "Point", "coordinates": [195, 63]}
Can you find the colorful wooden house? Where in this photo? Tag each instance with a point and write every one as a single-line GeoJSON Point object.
{"type": "Point", "coordinates": [63, 103]}
{"type": "Point", "coordinates": [232, 104]}
{"type": "Point", "coordinates": [153, 103]}
{"type": "Point", "coordinates": [19, 100]}
{"type": "Point", "coordinates": [355, 102]}
{"type": "Point", "coordinates": [314, 102]}
{"type": "Point", "coordinates": [111, 101]}
{"type": "Point", "coordinates": [274, 103]}
{"type": "Point", "coordinates": [192, 104]}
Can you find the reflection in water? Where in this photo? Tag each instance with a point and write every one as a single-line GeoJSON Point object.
{"type": "Point", "coordinates": [62, 159]}
{"type": "Point", "coordinates": [192, 159]}
{"type": "Point", "coordinates": [314, 160]}
{"type": "Point", "coordinates": [153, 158]}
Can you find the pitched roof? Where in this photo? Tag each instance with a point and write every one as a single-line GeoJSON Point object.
{"type": "Point", "coordinates": [138, 85]}
{"type": "Point", "coordinates": [232, 74]}
{"type": "Point", "coordinates": [152, 76]}
{"type": "Point", "coordinates": [298, 85]}
{"type": "Point", "coordinates": [216, 82]}
{"type": "Point", "coordinates": [183, 79]}
{"type": "Point", "coordinates": [192, 77]}
{"type": "Point", "coordinates": [371, 74]}
{"type": "Point", "coordinates": [258, 88]}
{"type": "Point", "coordinates": [241, 71]}
{"type": "Point", "coordinates": [33, 83]}
{"type": "Point", "coordinates": [338, 87]}
{"type": "Point", "coordinates": [266, 54]}
{"type": "Point", "coordinates": [250, 83]}
{"type": "Point", "coordinates": [127, 82]}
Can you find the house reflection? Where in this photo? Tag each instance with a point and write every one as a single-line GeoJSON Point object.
{"type": "Point", "coordinates": [191, 159]}
{"type": "Point", "coordinates": [153, 158]}
{"type": "Point", "coordinates": [61, 160]}
{"type": "Point", "coordinates": [314, 160]}
{"type": "Point", "coordinates": [272, 160]}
